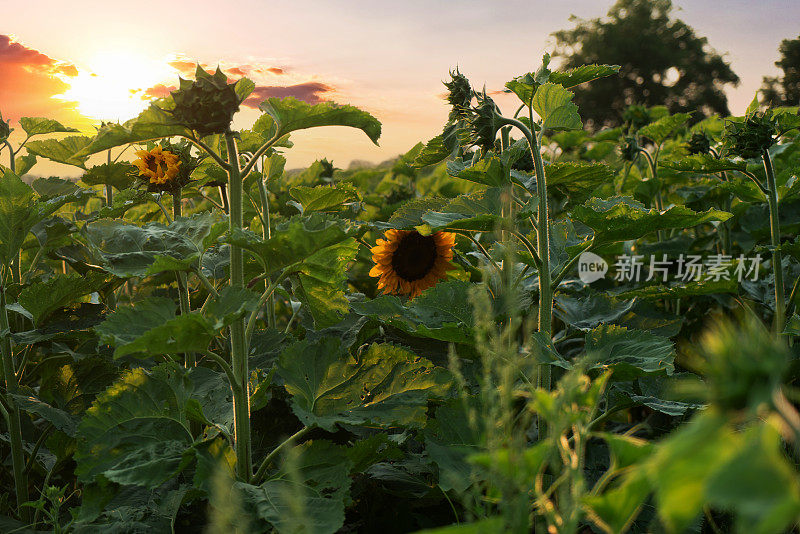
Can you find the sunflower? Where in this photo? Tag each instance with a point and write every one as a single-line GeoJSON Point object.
{"type": "Point", "coordinates": [158, 165]}
{"type": "Point", "coordinates": [408, 262]}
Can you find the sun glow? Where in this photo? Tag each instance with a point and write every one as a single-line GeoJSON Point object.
{"type": "Point", "coordinates": [112, 85]}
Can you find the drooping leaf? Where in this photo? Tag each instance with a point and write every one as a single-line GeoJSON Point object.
{"type": "Point", "coordinates": [297, 239]}
{"type": "Point", "coordinates": [292, 508]}
{"type": "Point", "coordinates": [387, 385]}
{"type": "Point", "coordinates": [137, 431]}
{"type": "Point", "coordinates": [291, 114]}
{"type": "Point", "coordinates": [323, 197]}
{"type": "Point", "coordinates": [410, 214]}
{"type": "Point", "coordinates": [703, 164]}
{"type": "Point", "coordinates": [41, 125]}
{"type": "Point", "coordinates": [152, 123]}
{"type": "Point", "coordinates": [629, 352]}
{"type": "Point", "coordinates": [20, 211]}
{"type": "Point", "coordinates": [54, 186]}
{"type": "Point", "coordinates": [63, 421]}
{"type": "Point", "coordinates": [320, 282]}
{"type": "Point", "coordinates": [487, 171]}
{"type": "Point", "coordinates": [442, 312]}
{"type": "Point", "coordinates": [623, 218]}
{"type": "Point", "coordinates": [131, 250]}
{"type": "Point", "coordinates": [61, 150]}
{"type": "Point", "coordinates": [475, 212]}
{"type": "Point", "coordinates": [450, 440]}
{"type": "Point", "coordinates": [42, 298]}
{"type": "Point", "coordinates": [24, 163]}
{"type": "Point", "coordinates": [115, 174]}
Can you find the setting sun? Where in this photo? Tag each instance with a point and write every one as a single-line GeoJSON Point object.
{"type": "Point", "coordinates": [112, 86]}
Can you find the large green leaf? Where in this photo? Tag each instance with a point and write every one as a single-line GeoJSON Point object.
{"type": "Point", "coordinates": [61, 150]}
{"type": "Point", "coordinates": [449, 440]}
{"type": "Point", "coordinates": [137, 431]}
{"type": "Point", "coordinates": [63, 421]}
{"type": "Point", "coordinates": [410, 214]}
{"type": "Point", "coordinates": [40, 125]}
{"type": "Point", "coordinates": [554, 105]}
{"type": "Point", "coordinates": [323, 197]}
{"type": "Point", "coordinates": [114, 174]}
{"type": "Point", "coordinates": [442, 312]}
{"type": "Point", "coordinates": [487, 171]}
{"type": "Point", "coordinates": [292, 508]}
{"type": "Point", "coordinates": [291, 114]}
{"type": "Point", "coordinates": [152, 123]}
{"type": "Point", "coordinates": [130, 250]}
{"type": "Point", "coordinates": [297, 239]}
{"type": "Point", "coordinates": [703, 164]}
{"type": "Point", "coordinates": [623, 218]}
{"type": "Point", "coordinates": [584, 73]}
{"type": "Point", "coordinates": [20, 210]}
{"type": "Point", "coordinates": [474, 212]}
{"type": "Point", "coordinates": [576, 180]}
{"type": "Point", "coordinates": [660, 130]}
{"type": "Point", "coordinates": [320, 282]}
{"type": "Point", "coordinates": [386, 385]}
{"type": "Point", "coordinates": [42, 298]}
{"type": "Point", "coordinates": [629, 352]}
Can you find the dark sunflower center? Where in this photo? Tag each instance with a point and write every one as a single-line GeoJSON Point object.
{"type": "Point", "coordinates": [414, 257]}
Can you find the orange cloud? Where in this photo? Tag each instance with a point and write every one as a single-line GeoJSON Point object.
{"type": "Point", "coordinates": [27, 81]}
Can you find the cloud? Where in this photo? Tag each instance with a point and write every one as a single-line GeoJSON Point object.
{"type": "Point", "coordinates": [29, 79]}
{"type": "Point", "coordinates": [311, 92]}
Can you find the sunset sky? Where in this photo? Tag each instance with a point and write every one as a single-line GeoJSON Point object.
{"type": "Point", "coordinates": [84, 61]}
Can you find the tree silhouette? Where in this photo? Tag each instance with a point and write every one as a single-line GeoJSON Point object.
{"type": "Point", "coordinates": [662, 61]}
{"type": "Point", "coordinates": [785, 91]}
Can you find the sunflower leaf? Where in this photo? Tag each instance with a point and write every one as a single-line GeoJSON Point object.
{"type": "Point", "coordinates": [61, 150]}
{"type": "Point", "coordinates": [291, 114]}
{"type": "Point", "coordinates": [387, 385]}
{"type": "Point", "coordinates": [320, 282]}
{"type": "Point", "coordinates": [40, 125]}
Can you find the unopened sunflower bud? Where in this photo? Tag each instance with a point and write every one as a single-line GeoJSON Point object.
{"type": "Point", "coordinates": [206, 105]}
{"type": "Point", "coordinates": [459, 94]}
{"type": "Point", "coordinates": [750, 138]}
{"type": "Point", "coordinates": [629, 148]}
{"type": "Point", "coordinates": [5, 128]}
{"type": "Point", "coordinates": [484, 123]}
{"type": "Point", "coordinates": [699, 143]}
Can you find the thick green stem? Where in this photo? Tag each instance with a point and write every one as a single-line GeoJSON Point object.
{"type": "Point", "coordinates": [14, 426]}
{"type": "Point", "coordinates": [239, 360]}
{"type": "Point", "coordinates": [189, 358]}
{"type": "Point", "coordinates": [11, 164]}
{"type": "Point", "coordinates": [775, 235]}
{"type": "Point", "coordinates": [545, 282]}
{"type": "Point", "coordinates": [654, 176]}
{"type": "Point", "coordinates": [109, 189]}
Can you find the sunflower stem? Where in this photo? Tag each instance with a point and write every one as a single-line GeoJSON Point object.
{"type": "Point", "coordinates": [775, 236]}
{"type": "Point", "coordinates": [239, 363]}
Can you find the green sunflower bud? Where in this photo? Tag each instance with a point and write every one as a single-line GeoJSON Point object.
{"type": "Point", "coordinates": [459, 94]}
{"type": "Point", "coordinates": [750, 138]}
{"type": "Point", "coordinates": [206, 105]}
{"type": "Point", "coordinates": [484, 123]}
{"type": "Point", "coordinates": [5, 128]}
{"type": "Point", "coordinates": [699, 143]}
{"type": "Point", "coordinates": [629, 148]}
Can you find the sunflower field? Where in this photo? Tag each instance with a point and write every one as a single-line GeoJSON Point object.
{"type": "Point", "coordinates": [517, 326]}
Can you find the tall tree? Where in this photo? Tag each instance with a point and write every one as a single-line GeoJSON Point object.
{"type": "Point", "coordinates": [785, 90]}
{"type": "Point", "coordinates": [662, 61]}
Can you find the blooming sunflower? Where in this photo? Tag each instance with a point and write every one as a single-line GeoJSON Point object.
{"type": "Point", "coordinates": [158, 165]}
{"type": "Point", "coordinates": [408, 262]}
